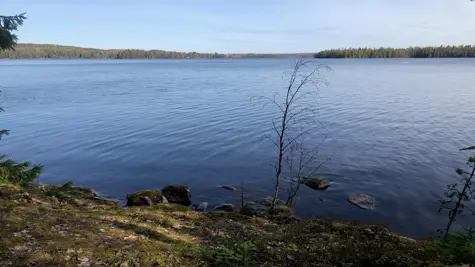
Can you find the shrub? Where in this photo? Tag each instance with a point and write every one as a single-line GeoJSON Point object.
{"type": "Point", "coordinates": [18, 173]}
{"type": "Point", "coordinates": [456, 248]}
{"type": "Point", "coordinates": [242, 254]}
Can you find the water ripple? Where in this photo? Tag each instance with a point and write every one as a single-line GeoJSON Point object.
{"type": "Point", "coordinates": [393, 129]}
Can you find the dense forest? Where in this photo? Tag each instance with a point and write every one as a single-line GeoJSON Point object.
{"type": "Point", "coordinates": [58, 51]}
{"type": "Point", "coordinates": [411, 52]}
{"type": "Point", "coordinates": [31, 51]}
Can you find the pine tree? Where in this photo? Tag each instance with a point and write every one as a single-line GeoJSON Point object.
{"type": "Point", "coordinates": [11, 171]}
{"type": "Point", "coordinates": [8, 25]}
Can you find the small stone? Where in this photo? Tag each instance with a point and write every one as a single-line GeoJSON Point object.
{"type": "Point", "coordinates": [130, 237]}
{"type": "Point", "coordinates": [177, 226]}
{"type": "Point", "coordinates": [369, 231]}
{"type": "Point", "coordinates": [124, 264]}
{"type": "Point", "coordinates": [83, 259]}
{"type": "Point", "coordinates": [20, 248]}
{"type": "Point", "coordinates": [290, 257]}
{"type": "Point", "coordinates": [70, 251]}
{"type": "Point", "coordinates": [67, 257]}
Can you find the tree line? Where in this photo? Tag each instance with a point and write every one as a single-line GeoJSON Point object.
{"type": "Point", "coordinates": [34, 51]}
{"type": "Point", "coordinates": [411, 52]}
{"type": "Point", "coordinates": [31, 51]}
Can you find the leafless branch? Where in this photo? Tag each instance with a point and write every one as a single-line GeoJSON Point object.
{"type": "Point", "coordinates": [295, 113]}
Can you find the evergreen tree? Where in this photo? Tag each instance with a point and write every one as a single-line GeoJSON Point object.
{"type": "Point", "coordinates": [411, 52]}
{"type": "Point", "coordinates": [9, 24]}
{"type": "Point", "coordinates": [11, 171]}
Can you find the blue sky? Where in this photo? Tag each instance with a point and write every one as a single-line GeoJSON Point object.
{"type": "Point", "coordinates": [274, 26]}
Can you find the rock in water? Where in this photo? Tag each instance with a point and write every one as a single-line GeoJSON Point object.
{"type": "Point", "coordinates": [227, 187]}
{"type": "Point", "coordinates": [145, 198]}
{"type": "Point", "coordinates": [363, 201]}
{"type": "Point", "coordinates": [200, 207]}
{"type": "Point", "coordinates": [317, 183]}
{"type": "Point", "coordinates": [225, 207]}
{"type": "Point", "coordinates": [177, 194]}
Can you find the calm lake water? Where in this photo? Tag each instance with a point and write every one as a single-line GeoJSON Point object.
{"type": "Point", "coordinates": [394, 129]}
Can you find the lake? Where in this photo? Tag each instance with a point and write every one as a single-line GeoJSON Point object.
{"type": "Point", "coordinates": [394, 128]}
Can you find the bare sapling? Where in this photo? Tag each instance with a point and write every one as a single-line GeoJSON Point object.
{"type": "Point", "coordinates": [302, 162]}
{"type": "Point", "coordinates": [296, 112]}
{"type": "Point", "coordinates": [459, 194]}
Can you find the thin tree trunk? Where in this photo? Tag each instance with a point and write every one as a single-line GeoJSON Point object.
{"type": "Point", "coordinates": [281, 155]}
{"type": "Point", "coordinates": [457, 205]}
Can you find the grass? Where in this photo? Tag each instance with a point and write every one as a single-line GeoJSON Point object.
{"type": "Point", "coordinates": [46, 225]}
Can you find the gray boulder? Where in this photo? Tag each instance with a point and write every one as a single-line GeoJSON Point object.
{"type": "Point", "coordinates": [145, 198]}
{"type": "Point", "coordinates": [177, 194]}
{"type": "Point", "coordinates": [317, 183]}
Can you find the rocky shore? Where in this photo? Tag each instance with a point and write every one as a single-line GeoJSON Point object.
{"type": "Point", "coordinates": [50, 225]}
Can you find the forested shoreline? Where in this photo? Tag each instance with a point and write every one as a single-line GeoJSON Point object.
{"type": "Point", "coordinates": [40, 51]}
{"type": "Point", "coordinates": [36, 51]}
{"type": "Point", "coordinates": [45, 51]}
{"type": "Point", "coordinates": [411, 52]}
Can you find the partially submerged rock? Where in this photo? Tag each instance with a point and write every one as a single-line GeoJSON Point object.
{"type": "Point", "coordinates": [177, 194]}
{"type": "Point", "coordinates": [225, 207]}
{"type": "Point", "coordinates": [363, 201]}
{"type": "Point", "coordinates": [317, 183]}
{"type": "Point", "coordinates": [145, 198]}
{"type": "Point", "coordinates": [228, 187]}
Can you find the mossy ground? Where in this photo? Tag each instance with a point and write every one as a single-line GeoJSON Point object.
{"type": "Point", "coordinates": [45, 225]}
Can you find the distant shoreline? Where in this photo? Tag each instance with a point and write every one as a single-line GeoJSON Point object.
{"type": "Point", "coordinates": [49, 51]}
{"type": "Point", "coordinates": [461, 51]}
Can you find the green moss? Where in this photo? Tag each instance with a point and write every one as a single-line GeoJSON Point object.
{"type": "Point", "coordinates": [154, 195]}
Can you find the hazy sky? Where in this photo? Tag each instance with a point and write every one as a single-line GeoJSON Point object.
{"type": "Point", "coordinates": [245, 25]}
